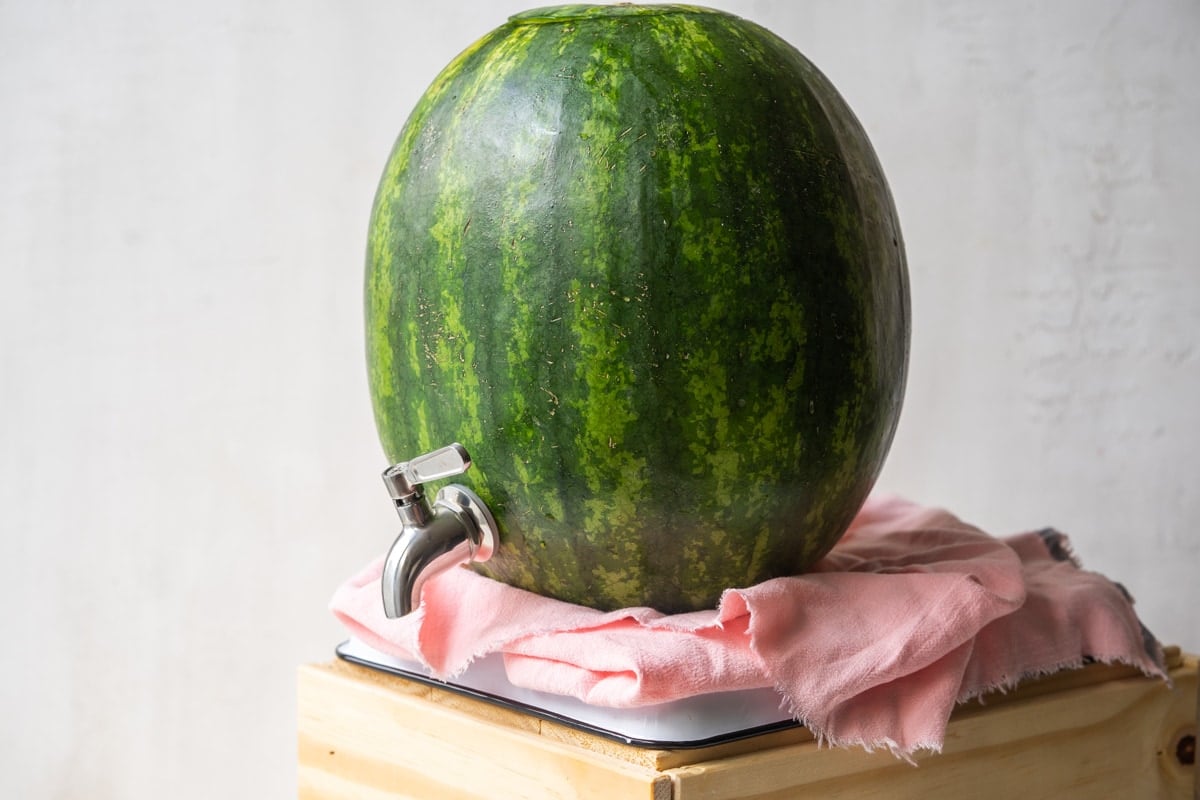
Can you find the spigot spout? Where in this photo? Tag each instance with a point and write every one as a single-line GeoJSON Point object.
{"type": "Point", "coordinates": [458, 528]}
{"type": "Point", "coordinates": [416, 556]}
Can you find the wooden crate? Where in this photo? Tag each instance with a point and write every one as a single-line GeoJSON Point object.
{"type": "Point", "coordinates": [1098, 732]}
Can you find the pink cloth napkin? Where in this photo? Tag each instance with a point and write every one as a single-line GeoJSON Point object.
{"type": "Point", "coordinates": [912, 612]}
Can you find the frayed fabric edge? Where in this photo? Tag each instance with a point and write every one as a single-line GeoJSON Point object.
{"type": "Point", "coordinates": [1010, 683]}
{"type": "Point", "coordinates": [1058, 546]}
{"type": "Point", "coordinates": [908, 753]}
{"type": "Point", "coordinates": [824, 738]}
{"type": "Point", "coordinates": [900, 753]}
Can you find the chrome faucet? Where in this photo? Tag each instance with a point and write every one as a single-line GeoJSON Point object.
{"type": "Point", "coordinates": [457, 528]}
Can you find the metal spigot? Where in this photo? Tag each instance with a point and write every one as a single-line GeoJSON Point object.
{"type": "Point", "coordinates": [457, 528]}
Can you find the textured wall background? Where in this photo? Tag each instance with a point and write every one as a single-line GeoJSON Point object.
{"type": "Point", "coordinates": [187, 460]}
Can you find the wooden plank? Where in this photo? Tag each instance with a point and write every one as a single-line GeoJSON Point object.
{"type": "Point", "coordinates": [1095, 732]}
{"type": "Point", "coordinates": [360, 738]}
{"type": "Point", "coordinates": [1115, 739]}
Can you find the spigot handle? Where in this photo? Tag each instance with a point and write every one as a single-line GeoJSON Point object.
{"type": "Point", "coordinates": [452, 459]}
{"type": "Point", "coordinates": [404, 479]}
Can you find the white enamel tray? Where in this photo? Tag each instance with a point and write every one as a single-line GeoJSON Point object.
{"type": "Point", "coordinates": [691, 722]}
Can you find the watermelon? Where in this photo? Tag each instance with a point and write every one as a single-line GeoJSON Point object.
{"type": "Point", "coordinates": [643, 263]}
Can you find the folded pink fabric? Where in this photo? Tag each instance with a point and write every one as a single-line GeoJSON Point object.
{"type": "Point", "coordinates": [912, 612]}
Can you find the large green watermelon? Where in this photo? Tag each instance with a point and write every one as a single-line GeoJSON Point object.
{"type": "Point", "coordinates": [643, 263]}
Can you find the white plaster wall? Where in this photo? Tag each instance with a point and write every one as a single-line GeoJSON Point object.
{"type": "Point", "coordinates": [187, 460]}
